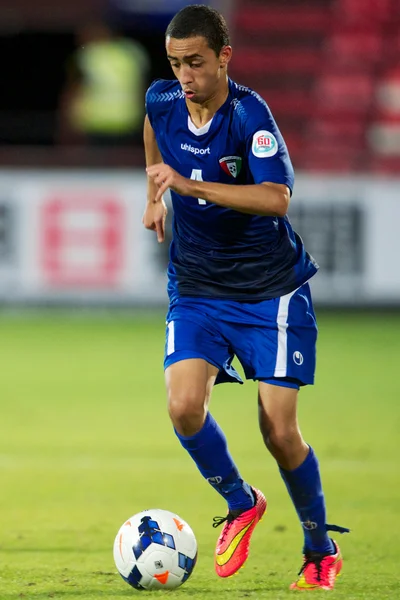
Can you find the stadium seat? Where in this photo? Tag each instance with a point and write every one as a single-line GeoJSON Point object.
{"type": "Point", "coordinates": [350, 132]}
{"type": "Point", "coordinates": [255, 18]}
{"type": "Point", "coordinates": [294, 142]}
{"type": "Point", "coordinates": [357, 11]}
{"type": "Point", "coordinates": [332, 158]}
{"type": "Point", "coordinates": [275, 60]}
{"type": "Point", "coordinates": [355, 48]}
{"type": "Point", "coordinates": [284, 102]}
{"type": "Point", "coordinates": [392, 48]}
{"type": "Point", "coordinates": [385, 165]}
{"type": "Point", "coordinates": [350, 93]}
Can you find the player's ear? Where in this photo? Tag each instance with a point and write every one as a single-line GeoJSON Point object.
{"type": "Point", "coordinates": [225, 56]}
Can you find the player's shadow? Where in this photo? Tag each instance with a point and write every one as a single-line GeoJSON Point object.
{"type": "Point", "coordinates": [43, 551]}
{"type": "Point", "coordinates": [235, 591]}
{"type": "Point", "coordinates": [96, 593]}
{"type": "Point", "coordinates": [127, 593]}
{"type": "Point", "coordinates": [91, 593]}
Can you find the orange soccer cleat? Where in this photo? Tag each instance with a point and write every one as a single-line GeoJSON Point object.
{"type": "Point", "coordinates": [319, 571]}
{"type": "Point", "coordinates": [233, 544]}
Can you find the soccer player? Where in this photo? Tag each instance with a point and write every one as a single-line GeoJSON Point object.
{"type": "Point", "coordinates": [238, 282]}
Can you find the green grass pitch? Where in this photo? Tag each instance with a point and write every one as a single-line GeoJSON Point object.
{"type": "Point", "coordinates": [85, 442]}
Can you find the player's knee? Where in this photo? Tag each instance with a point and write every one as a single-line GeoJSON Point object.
{"type": "Point", "coordinates": [187, 411]}
{"type": "Point", "coordinates": [282, 438]}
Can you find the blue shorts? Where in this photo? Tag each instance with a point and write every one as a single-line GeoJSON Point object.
{"type": "Point", "coordinates": [274, 340]}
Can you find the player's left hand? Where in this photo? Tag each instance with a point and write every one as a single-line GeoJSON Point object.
{"type": "Point", "coordinates": [165, 177]}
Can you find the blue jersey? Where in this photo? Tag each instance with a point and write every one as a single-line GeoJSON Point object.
{"type": "Point", "coordinates": [218, 252]}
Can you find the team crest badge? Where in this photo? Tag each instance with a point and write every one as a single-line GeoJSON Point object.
{"type": "Point", "coordinates": [232, 165]}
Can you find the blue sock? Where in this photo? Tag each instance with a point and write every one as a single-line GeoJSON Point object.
{"type": "Point", "coordinates": [304, 487]}
{"type": "Point", "coordinates": [209, 450]}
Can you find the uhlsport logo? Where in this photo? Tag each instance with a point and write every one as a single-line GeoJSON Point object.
{"type": "Point", "coordinates": [264, 144]}
{"type": "Point", "coordinates": [232, 165]}
{"type": "Point", "coordinates": [298, 358]}
{"type": "Point", "coordinates": [193, 150]}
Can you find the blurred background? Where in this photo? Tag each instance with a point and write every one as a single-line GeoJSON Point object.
{"type": "Point", "coordinates": [72, 184]}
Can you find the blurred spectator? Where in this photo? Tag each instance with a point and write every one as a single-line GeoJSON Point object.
{"type": "Point", "coordinates": [103, 99]}
{"type": "Point", "coordinates": [384, 134]}
{"type": "Point", "coordinates": [388, 93]}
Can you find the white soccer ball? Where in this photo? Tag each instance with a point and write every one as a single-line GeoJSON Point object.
{"type": "Point", "coordinates": [155, 549]}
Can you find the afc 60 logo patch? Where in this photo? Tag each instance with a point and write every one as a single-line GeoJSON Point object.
{"type": "Point", "coordinates": [264, 144]}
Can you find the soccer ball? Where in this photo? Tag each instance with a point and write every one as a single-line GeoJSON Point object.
{"type": "Point", "coordinates": [155, 549]}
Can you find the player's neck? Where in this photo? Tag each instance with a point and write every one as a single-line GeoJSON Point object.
{"type": "Point", "coordinates": [201, 114]}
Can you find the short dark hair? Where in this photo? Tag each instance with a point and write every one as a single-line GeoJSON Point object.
{"type": "Point", "coordinates": [200, 20]}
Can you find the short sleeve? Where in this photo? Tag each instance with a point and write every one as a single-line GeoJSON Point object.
{"type": "Point", "coordinates": [160, 96]}
{"type": "Point", "coordinates": [266, 150]}
{"type": "Point", "coordinates": [151, 100]}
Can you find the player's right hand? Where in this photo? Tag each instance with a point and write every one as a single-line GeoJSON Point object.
{"type": "Point", "coordinates": [154, 218]}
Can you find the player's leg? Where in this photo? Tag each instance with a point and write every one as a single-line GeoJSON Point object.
{"type": "Point", "coordinates": [297, 462]}
{"type": "Point", "coordinates": [299, 469]}
{"type": "Point", "coordinates": [275, 342]}
{"type": "Point", "coordinates": [189, 384]}
{"type": "Point", "coordinates": [279, 352]}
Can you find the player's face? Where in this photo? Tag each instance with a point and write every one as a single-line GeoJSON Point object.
{"type": "Point", "coordinates": [199, 71]}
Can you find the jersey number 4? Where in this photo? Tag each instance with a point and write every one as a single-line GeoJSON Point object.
{"type": "Point", "coordinates": [197, 175]}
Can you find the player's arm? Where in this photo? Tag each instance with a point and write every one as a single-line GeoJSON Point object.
{"type": "Point", "coordinates": [155, 211]}
{"type": "Point", "coordinates": [268, 199]}
{"type": "Point", "coordinates": [152, 155]}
